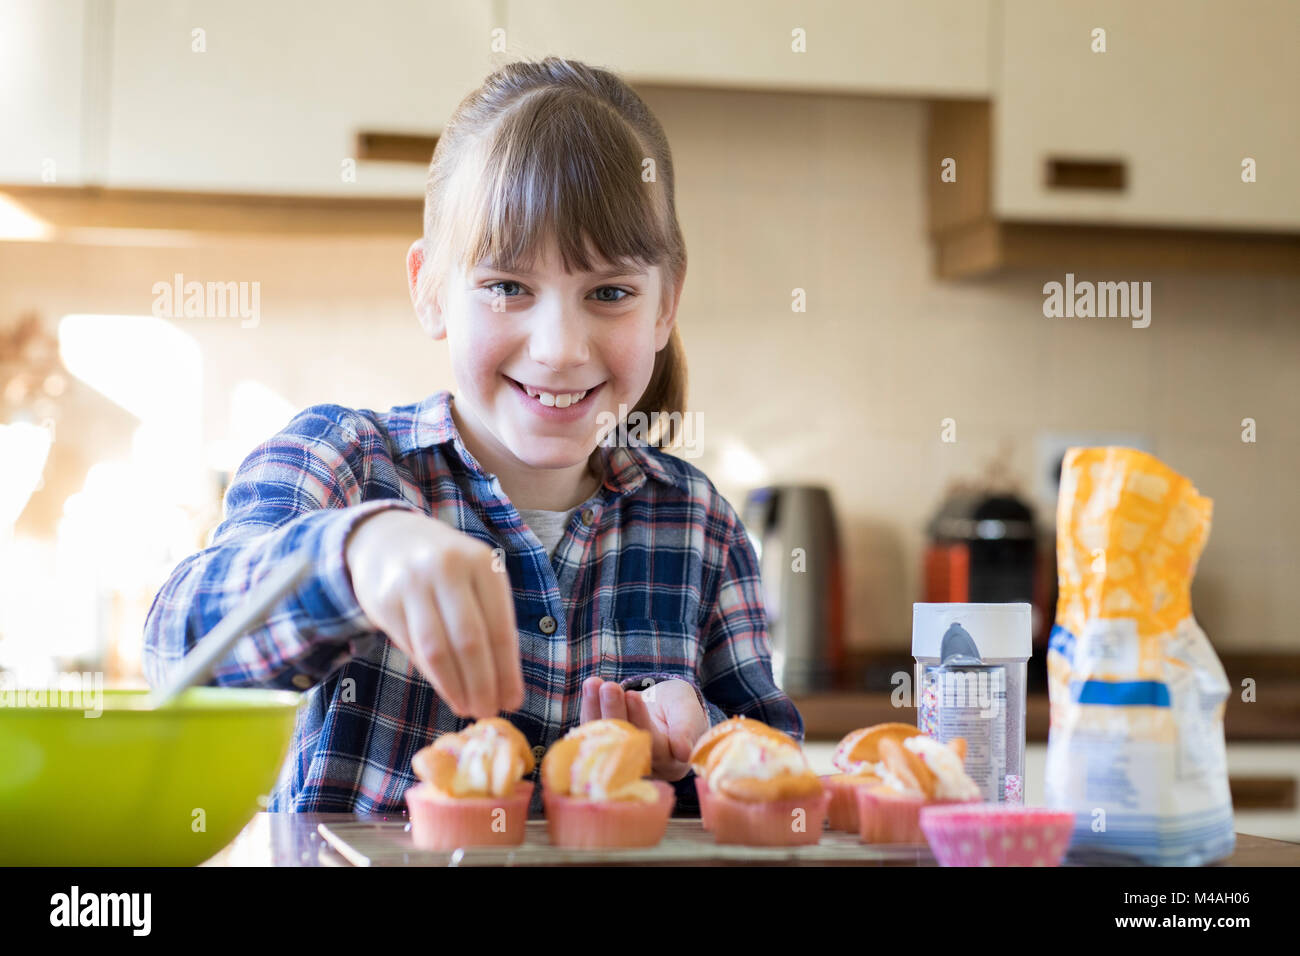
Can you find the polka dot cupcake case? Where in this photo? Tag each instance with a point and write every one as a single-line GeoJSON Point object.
{"type": "Point", "coordinates": [997, 835]}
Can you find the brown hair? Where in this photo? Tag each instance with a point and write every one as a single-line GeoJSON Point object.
{"type": "Point", "coordinates": [558, 149]}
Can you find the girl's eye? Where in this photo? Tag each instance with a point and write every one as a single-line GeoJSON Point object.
{"type": "Point", "coordinates": [622, 294]}
{"type": "Point", "coordinates": [498, 288]}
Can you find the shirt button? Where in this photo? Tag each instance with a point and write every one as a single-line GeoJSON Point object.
{"type": "Point", "coordinates": [587, 516]}
{"type": "Point", "coordinates": [301, 681]}
{"type": "Point", "coordinates": [547, 624]}
{"type": "Point", "coordinates": [538, 753]}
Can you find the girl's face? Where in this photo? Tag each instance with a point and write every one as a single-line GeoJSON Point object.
{"type": "Point", "coordinates": [545, 359]}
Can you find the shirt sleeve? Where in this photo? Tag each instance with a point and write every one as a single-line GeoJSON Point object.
{"type": "Point", "coordinates": [303, 489]}
{"type": "Point", "coordinates": [736, 670]}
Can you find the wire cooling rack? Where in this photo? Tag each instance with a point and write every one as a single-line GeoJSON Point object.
{"type": "Point", "coordinates": [685, 843]}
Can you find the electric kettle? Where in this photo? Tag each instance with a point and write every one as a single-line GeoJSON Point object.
{"type": "Point", "coordinates": [795, 534]}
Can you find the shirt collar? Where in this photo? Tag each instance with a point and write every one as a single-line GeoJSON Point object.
{"type": "Point", "coordinates": [429, 423]}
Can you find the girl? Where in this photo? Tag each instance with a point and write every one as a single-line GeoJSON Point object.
{"type": "Point", "coordinates": [505, 548]}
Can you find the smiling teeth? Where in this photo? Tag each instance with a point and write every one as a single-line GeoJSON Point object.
{"type": "Point", "coordinates": [563, 400]}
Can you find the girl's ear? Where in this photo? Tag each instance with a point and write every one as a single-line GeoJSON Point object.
{"type": "Point", "coordinates": [668, 313]}
{"type": "Point", "coordinates": [429, 311]}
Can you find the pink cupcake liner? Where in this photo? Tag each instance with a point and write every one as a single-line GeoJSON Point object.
{"type": "Point", "coordinates": [888, 816]}
{"type": "Point", "coordinates": [842, 813]}
{"type": "Point", "coordinates": [994, 834]}
{"type": "Point", "coordinates": [442, 824]}
{"type": "Point", "coordinates": [765, 823]}
{"type": "Point", "coordinates": [581, 824]}
{"type": "Point", "coordinates": [705, 797]}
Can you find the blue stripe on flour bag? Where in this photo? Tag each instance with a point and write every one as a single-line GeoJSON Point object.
{"type": "Point", "coordinates": [1131, 693]}
{"type": "Point", "coordinates": [1136, 693]}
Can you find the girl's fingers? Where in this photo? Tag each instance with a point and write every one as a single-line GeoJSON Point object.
{"type": "Point", "coordinates": [390, 618]}
{"type": "Point", "coordinates": [612, 704]}
{"type": "Point", "coordinates": [673, 733]}
{"type": "Point", "coordinates": [590, 699]}
{"type": "Point", "coordinates": [638, 714]}
{"type": "Point", "coordinates": [498, 606]}
{"type": "Point", "coordinates": [431, 653]}
{"type": "Point", "coordinates": [685, 726]}
{"type": "Point", "coordinates": [468, 638]}
{"type": "Point", "coordinates": [680, 743]}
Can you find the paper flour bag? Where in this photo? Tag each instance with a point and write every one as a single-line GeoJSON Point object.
{"type": "Point", "coordinates": [1137, 693]}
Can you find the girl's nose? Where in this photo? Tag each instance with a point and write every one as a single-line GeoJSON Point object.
{"type": "Point", "coordinates": [557, 337]}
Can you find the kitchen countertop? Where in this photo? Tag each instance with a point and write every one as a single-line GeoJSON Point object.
{"type": "Point", "coordinates": [292, 839]}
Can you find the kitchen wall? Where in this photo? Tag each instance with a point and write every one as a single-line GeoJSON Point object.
{"type": "Point", "coordinates": [785, 191]}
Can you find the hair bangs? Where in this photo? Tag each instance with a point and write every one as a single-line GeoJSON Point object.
{"type": "Point", "coordinates": [563, 167]}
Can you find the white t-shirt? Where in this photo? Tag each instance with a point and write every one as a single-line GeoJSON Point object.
{"type": "Point", "coordinates": [547, 525]}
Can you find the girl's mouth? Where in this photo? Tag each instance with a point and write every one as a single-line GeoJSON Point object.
{"type": "Point", "coordinates": [554, 404]}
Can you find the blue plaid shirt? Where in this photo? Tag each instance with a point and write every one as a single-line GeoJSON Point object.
{"type": "Point", "coordinates": [655, 578]}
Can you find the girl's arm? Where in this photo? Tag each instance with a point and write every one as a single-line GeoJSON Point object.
{"type": "Point", "coordinates": [736, 673]}
{"type": "Point", "coordinates": [305, 488]}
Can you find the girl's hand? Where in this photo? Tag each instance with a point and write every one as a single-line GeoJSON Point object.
{"type": "Point", "coordinates": [669, 710]}
{"type": "Point", "coordinates": [436, 594]}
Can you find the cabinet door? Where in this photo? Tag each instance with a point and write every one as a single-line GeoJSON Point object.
{"type": "Point", "coordinates": [275, 98]}
{"type": "Point", "coordinates": [921, 47]}
{"type": "Point", "coordinates": [1184, 92]}
{"type": "Point", "coordinates": [41, 56]}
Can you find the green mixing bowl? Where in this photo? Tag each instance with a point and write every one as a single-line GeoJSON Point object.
{"type": "Point", "coordinates": [138, 787]}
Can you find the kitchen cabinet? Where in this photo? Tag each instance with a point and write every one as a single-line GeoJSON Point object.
{"type": "Point", "coordinates": [244, 96]}
{"type": "Point", "coordinates": [973, 233]}
{"type": "Point", "coordinates": [902, 47]}
{"type": "Point", "coordinates": [42, 69]}
{"type": "Point", "coordinates": [1154, 130]}
{"type": "Point", "coordinates": [1132, 156]}
{"type": "Point", "coordinates": [269, 98]}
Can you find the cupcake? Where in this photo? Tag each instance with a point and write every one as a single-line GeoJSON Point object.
{"type": "Point", "coordinates": [994, 834]}
{"type": "Point", "coordinates": [595, 792]}
{"type": "Point", "coordinates": [471, 792]}
{"type": "Point", "coordinates": [915, 773]}
{"type": "Point", "coordinates": [756, 787]}
{"type": "Point", "coordinates": [856, 758]}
